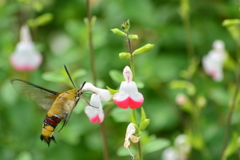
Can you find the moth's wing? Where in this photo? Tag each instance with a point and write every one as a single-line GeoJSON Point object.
{"type": "Point", "coordinates": [65, 119]}
{"type": "Point", "coordinates": [68, 115]}
{"type": "Point", "coordinates": [43, 97]}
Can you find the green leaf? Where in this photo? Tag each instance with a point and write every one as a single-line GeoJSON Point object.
{"type": "Point", "coordinates": [143, 114]}
{"type": "Point", "coordinates": [144, 49]}
{"type": "Point", "coordinates": [53, 77]}
{"type": "Point", "coordinates": [232, 146]}
{"type": "Point", "coordinates": [155, 145]}
{"type": "Point", "coordinates": [79, 73]}
{"type": "Point", "coordinates": [229, 22]}
{"type": "Point", "coordinates": [40, 20]}
{"type": "Point", "coordinates": [124, 55]}
{"type": "Point", "coordinates": [116, 76]}
{"type": "Point", "coordinates": [132, 119]}
{"type": "Point", "coordinates": [112, 91]}
{"type": "Point", "coordinates": [144, 124]}
{"type": "Point", "coordinates": [118, 32]}
{"type": "Point", "coordinates": [133, 36]}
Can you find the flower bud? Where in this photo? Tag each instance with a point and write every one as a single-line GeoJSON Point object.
{"type": "Point", "coordinates": [118, 32]}
{"type": "Point", "coordinates": [144, 49]}
{"type": "Point", "coordinates": [133, 37]}
{"type": "Point", "coordinates": [124, 55]}
{"type": "Point", "coordinates": [126, 25]}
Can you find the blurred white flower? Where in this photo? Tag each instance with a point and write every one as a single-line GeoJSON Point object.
{"type": "Point", "coordinates": [180, 151]}
{"type": "Point", "coordinates": [169, 154]}
{"type": "Point", "coordinates": [213, 61]}
{"type": "Point", "coordinates": [182, 146]}
{"type": "Point", "coordinates": [25, 57]}
{"type": "Point", "coordinates": [181, 99]}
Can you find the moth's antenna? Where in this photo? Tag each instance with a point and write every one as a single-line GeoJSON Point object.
{"type": "Point", "coordinates": [69, 76]}
{"type": "Point", "coordinates": [82, 85]}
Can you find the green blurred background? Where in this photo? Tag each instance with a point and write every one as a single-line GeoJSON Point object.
{"type": "Point", "coordinates": [60, 35]}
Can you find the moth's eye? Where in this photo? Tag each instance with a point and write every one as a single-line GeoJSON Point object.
{"type": "Point", "coordinates": [79, 93]}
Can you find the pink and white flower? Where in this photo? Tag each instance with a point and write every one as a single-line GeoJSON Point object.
{"type": "Point", "coordinates": [95, 112]}
{"type": "Point", "coordinates": [25, 57]}
{"type": "Point", "coordinates": [104, 94]}
{"type": "Point", "coordinates": [213, 61]}
{"type": "Point", "coordinates": [128, 95]}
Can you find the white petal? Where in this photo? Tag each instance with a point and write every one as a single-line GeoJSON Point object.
{"type": "Point", "coordinates": [128, 87]}
{"type": "Point", "coordinates": [130, 131]}
{"type": "Point", "coordinates": [120, 96]}
{"type": "Point", "coordinates": [137, 96]}
{"type": "Point", "coordinates": [169, 154]}
{"type": "Point", "coordinates": [127, 73]}
{"type": "Point", "coordinates": [25, 34]}
{"type": "Point", "coordinates": [90, 111]}
{"type": "Point", "coordinates": [95, 101]}
{"type": "Point", "coordinates": [104, 94]}
{"type": "Point", "coordinates": [219, 45]}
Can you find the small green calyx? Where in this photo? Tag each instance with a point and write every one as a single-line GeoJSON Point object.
{"type": "Point", "coordinates": [144, 121]}
{"type": "Point", "coordinates": [133, 36]}
{"type": "Point", "coordinates": [126, 25]}
{"type": "Point", "coordinates": [118, 32]}
{"type": "Point", "coordinates": [143, 49]}
{"type": "Point", "coordinates": [124, 55]}
{"type": "Point", "coordinates": [144, 124]}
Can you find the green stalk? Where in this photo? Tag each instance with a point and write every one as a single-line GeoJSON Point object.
{"type": "Point", "coordinates": [94, 76]}
{"type": "Point", "coordinates": [131, 58]}
{"type": "Point", "coordinates": [134, 110]}
{"type": "Point", "coordinates": [90, 42]}
{"type": "Point", "coordinates": [230, 113]}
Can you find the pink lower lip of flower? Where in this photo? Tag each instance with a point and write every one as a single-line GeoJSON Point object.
{"type": "Point", "coordinates": [128, 102]}
{"type": "Point", "coordinates": [96, 119]}
{"type": "Point", "coordinates": [24, 66]}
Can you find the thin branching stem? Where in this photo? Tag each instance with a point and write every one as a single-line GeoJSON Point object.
{"type": "Point", "coordinates": [131, 58]}
{"type": "Point", "coordinates": [133, 72]}
{"type": "Point", "coordinates": [230, 113]}
{"type": "Point", "coordinates": [90, 42]}
{"type": "Point", "coordinates": [94, 76]}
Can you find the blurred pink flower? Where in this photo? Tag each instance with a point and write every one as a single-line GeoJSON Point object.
{"type": "Point", "coordinates": [25, 57]}
{"type": "Point", "coordinates": [128, 95]}
{"type": "Point", "coordinates": [95, 112]}
{"type": "Point", "coordinates": [213, 61]}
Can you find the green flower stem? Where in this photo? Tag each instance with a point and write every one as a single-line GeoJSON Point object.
{"type": "Point", "coordinates": [94, 76]}
{"type": "Point", "coordinates": [134, 110]}
{"type": "Point", "coordinates": [90, 41]}
{"type": "Point", "coordinates": [139, 150]}
{"type": "Point", "coordinates": [189, 45]}
{"type": "Point", "coordinates": [230, 113]}
{"type": "Point", "coordinates": [139, 147]}
{"type": "Point", "coordinates": [131, 58]}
